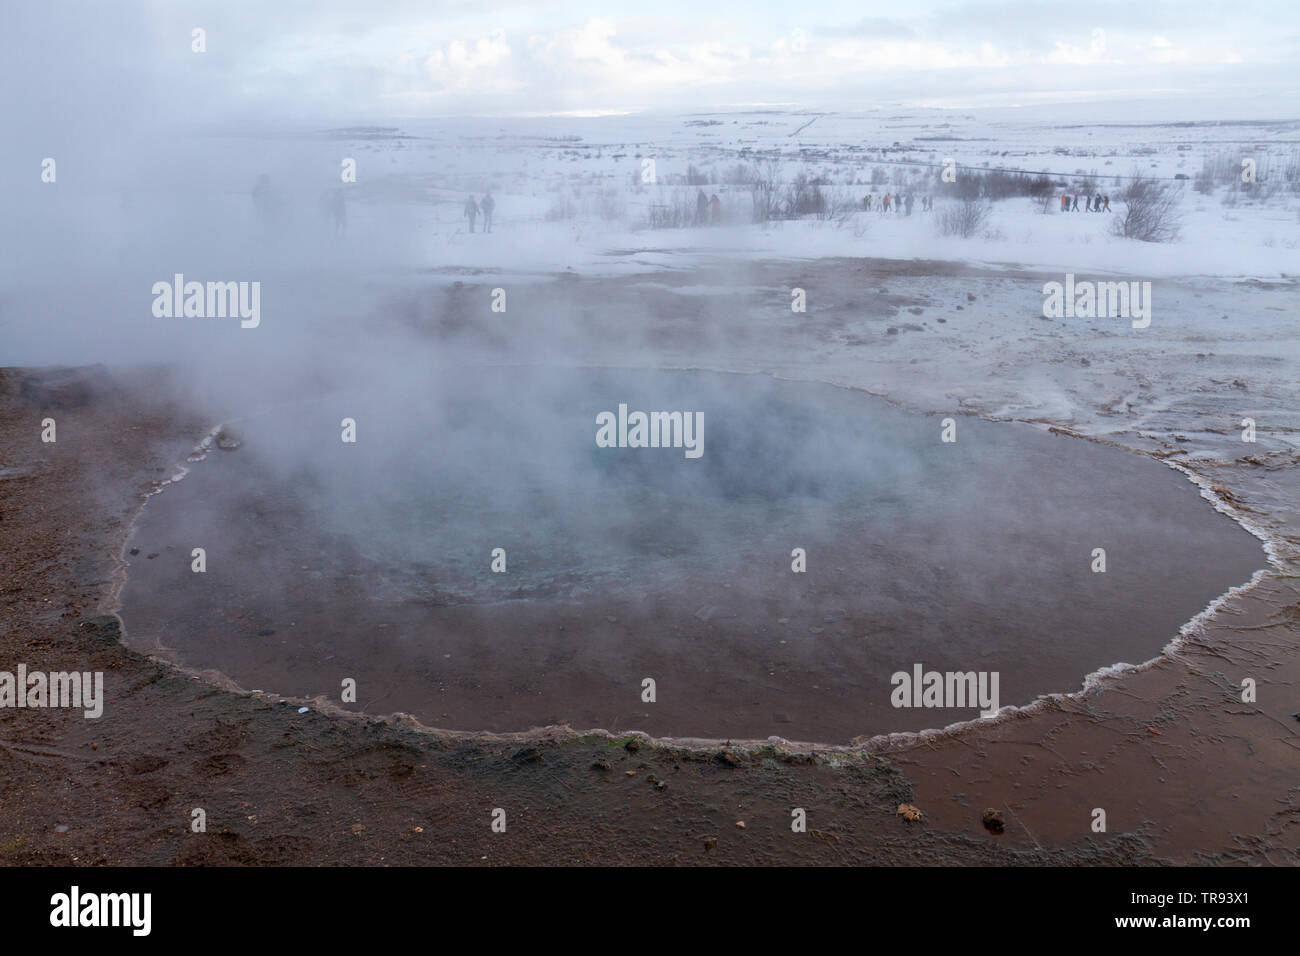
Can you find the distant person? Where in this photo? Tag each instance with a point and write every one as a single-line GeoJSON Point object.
{"type": "Point", "coordinates": [471, 211]}
{"type": "Point", "coordinates": [701, 207]}
{"type": "Point", "coordinates": [1075, 207]}
{"type": "Point", "coordinates": [909, 201]}
{"type": "Point", "coordinates": [884, 203]}
{"type": "Point", "coordinates": [264, 200]}
{"type": "Point", "coordinates": [1088, 203]}
{"type": "Point", "coordinates": [1065, 203]}
{"type": "Point", "coordinates": [1096, 203]}
{"type": "Point", "coordinates": [1106, 203]}
{"type": "Point", "coordinates": [487, 205]}
{"type": "Point", "coordinates": [335, 211]}
{"type": "Point", "coordinates": [866, 202]}
{"type": "Point", "coordinates": [715, 209]}
{"type": "Point", "coordinates": [927, 203]}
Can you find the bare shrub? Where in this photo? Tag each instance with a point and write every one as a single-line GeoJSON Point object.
{"type": "Point", "coordinates": [763, 191]}
{"type": "Point", "coordinates": [563, 207]}
{"type": "Point", "coordinates": [1151, 211]}
{"type": "Point", "coordinates": [964, 218]}
{"type": "Point", "coordinates": [804, 197]}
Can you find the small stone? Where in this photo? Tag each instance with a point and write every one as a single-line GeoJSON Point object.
{"type": "Point", "coordinates": [710, 843]}
{"type": "Point", "coordinates": [909, 812]}
{"type": "Point", "coordinates": [730, 759]}
{"type": "Point", "coordinates": [527, 755]}
{"type": "Point", "coordinates": [228, 440]}
{"type": "Point", "coordinates": [993, 821]}
{"type": "Point", "coordinates": [632, 746]}
{"type": "Point", "coordinates": [601, 765]}
{"type": "Point", "coordinates": [740, 824]}
{"type": "Point", "coordinates": [105, 627]}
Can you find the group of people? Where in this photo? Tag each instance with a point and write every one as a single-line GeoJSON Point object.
{"type": "Point", "coordinates": [485, 205]}
{"type": "Point", "coordinates": [892, 203]}
{"type": "Point", "coordinates": [1098, 203]}
{"type": "Point", "coordinates": [708, 211]}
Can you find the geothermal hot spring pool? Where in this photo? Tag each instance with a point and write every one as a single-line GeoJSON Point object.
{"type": "Point", "coordinates": [372, 560]}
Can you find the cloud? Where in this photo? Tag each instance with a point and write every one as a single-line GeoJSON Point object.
{"type": "Point", "coordinates": [877, 28]}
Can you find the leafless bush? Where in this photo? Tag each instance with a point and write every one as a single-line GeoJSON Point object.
{"type": "Point", "coordinates": [1151, 211]}
{"type": "Point", "coordinates": [675, 210]}
{"type": "Point", "coordinates": [763, 191]}
{"type": "Point", "coordinates": [964, 218]}
{"type": "Point", "coordinates": [804, 197]}
{"type": "Point", "coordinates": [564, 207]}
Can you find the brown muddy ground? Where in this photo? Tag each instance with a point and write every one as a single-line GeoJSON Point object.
{"type": "Point", "coordinates": [1185, 770]}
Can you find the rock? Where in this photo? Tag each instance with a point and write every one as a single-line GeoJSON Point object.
{"type": "Point", "coordinates": [993, 821]}
{"type": "Point", "coordinates": [64, 387]}
{"type": "Point", "coordinates": [909, 812]}
{"type": "Point", "coordinates": [601, 764]}
{"type": "Point", "coordinates": [632, 746]}
{"type": "Point", "coordinates": [728, 758]}
{"type": "Point", "coordinates": [710, 843]}
{"type": "Point", "coordinates": [106, 627]}
{"type": "Point", "coordinates": [228, 440]}
{"type": "Point", "coordinates": [527, 755]}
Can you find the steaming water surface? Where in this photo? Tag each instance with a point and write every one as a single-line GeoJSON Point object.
{"type": "Point", "coordinates": [328, 560]}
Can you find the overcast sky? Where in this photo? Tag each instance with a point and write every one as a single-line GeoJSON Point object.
{"type": "Point", "coordinates": [360, 60]}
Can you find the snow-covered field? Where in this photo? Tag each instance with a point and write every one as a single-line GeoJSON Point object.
{"type": "Point", "coordinates": [570, 191]}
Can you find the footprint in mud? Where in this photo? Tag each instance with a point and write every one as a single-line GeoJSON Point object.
{"type": "Point", "coordinates": [225, 847]}
{"type": "Point", "coordinates": [391, 761]}
{"type": "Point", "coordinates": [219, 764]}
{"type": "Point", "coordinates": [146, 763]}
{"type": "Point", "coordinates": [152, 797]}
